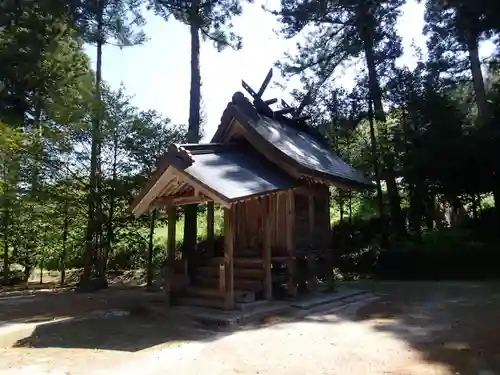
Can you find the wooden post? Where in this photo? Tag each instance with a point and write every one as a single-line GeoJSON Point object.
{"type": "Point", "coordinates": [229, 257]}
{"type": "Point", "coordinates": [266, 247]}
{"type": "Point", "coordinates": [327, 245]}
{"type": "Point", "coordinates": [210, 228]}
{"type": "Point", "coordinates": [311, 257]}
{"type": "Point", "coordinates": [290, 241]}
{"type": "Point", "coordinates": [169, 267]}
{"type": "Point", "coordinates": [222, 278]}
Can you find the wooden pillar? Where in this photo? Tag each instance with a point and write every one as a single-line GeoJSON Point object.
{"type": "Point", "coordinates": [290, 241]}
{"type": "Point", "coordinates": [327, 245]}
{"type": "Point", "coordinates": [311, 257]}
{"type": "Point", "coordinates": [169, 267]}
{"type": "Point", "coordinates": [229, 257]}
{"type": "Point", "coordinates": [210, 228]}
{"type": "Point", "coordinates": [266, 247]}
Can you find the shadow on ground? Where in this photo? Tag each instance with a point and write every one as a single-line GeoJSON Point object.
{"type": "Point", "coordinates": [134, 331]}
{"type": "Point", "coordinates": [456, 325]}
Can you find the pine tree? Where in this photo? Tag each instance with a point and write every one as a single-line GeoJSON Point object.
{"type": "Point", "coordinates": [212, 21]}
{"type": "Point", "coordinates": [344, 30]}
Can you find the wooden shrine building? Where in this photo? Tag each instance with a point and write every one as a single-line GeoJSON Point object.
{"type": "Point", "coordinates": [271, 174]}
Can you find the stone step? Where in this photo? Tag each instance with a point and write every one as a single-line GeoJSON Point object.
{"type": "Point", "coordinates": [342, 296]}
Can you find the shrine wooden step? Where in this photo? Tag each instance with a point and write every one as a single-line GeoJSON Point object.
{"type": "Point", "coordinates": [194, 291]}
{"type": "Point", "coordinates": [239, 284]}
{"type": "Point", "coordinates": [203, 302]}
{"type": "Point", "coordinates": [239, 295]}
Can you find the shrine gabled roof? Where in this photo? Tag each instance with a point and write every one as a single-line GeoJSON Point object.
{"type": "Point", "coordinates": [301, 145]}
{"type": "Point", "coordinates": [234, 171]}
{"type": "Point", "coordinates": [227, 172]}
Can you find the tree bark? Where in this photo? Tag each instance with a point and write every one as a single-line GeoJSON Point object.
{"type": "Point", "coordinates": [190, 211]}
{"type": "Point", "coordinates": [5, 224]}
{"type": "Point", "coordinates": [111, 212]}
{"type": "Point", "coordinates": [365, 27]}
{"type": "Point", "coordinates": [62, 265]}
{"type": "Point", "coordinates": [477, 78]}
{"type": "Point", "coordinates": [93, 229]}
{"type": "Point", "coordinates": [341, 205]}
{"type": "Point", "coordinates": [6, 261]}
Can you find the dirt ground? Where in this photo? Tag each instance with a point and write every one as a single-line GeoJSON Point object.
{"type": "Point", "coordinates": [413, 329]}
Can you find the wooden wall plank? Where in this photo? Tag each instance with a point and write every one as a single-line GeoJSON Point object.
{"type": "Point", "coordinates": [229, 257]}
{"type": "Point", "coordinates": [311, 257]}
{"type": "Point", "coordinates": [290, 240]}
{"type": "Point", "coordinates": [266, 251]}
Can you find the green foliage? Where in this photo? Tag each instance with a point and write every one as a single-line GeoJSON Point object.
{"type": "Point", "coordinates": [212, 18]}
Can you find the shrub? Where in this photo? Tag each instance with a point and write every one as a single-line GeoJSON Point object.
{"type": "Point", "coordinates": [449, 254]}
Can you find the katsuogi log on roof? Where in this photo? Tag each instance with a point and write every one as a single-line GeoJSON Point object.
{"type": "Point", "coordinates": [291, 141]}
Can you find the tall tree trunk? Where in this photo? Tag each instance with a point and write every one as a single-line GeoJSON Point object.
{"type": "Point", "coordinates": [5, 221]}
{"type": "Point", "coordinates": [376, 166]}
{"type": "Point", "coordinates": [376, 171]}
{"type": "Point", "coordinates": [414, 186]}
{"type": "Point", "coordinates": [477, 78]}
{"type": "Point", "coordinates": [6, 261]}
{"type": "Point", "coordinates": [366, 32]}
{"type": "Point", "coordinates": [191, 211]}
{"type": "Point", "coordinates": [341, 204]}
{"type": "Point", "coordinates": [112, 197]}
{"type": "Point", "coordinates": [62, 265]}
{"type": "Point", "coordinates": [350, 208]}
{"type": "Point", "coordinates": [482, 106]}
{"type": "Point", "coordinates": [149, 281]}
{"type": "Point", "coordinates": [34, 193]}
{"type": "Point", "coordinates": [93, 225]}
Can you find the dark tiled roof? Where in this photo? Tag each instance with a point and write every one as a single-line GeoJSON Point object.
{"type": "Point", "coordinates": [234, 171]}
{"type": "Point", "coordinates": [303, 146]}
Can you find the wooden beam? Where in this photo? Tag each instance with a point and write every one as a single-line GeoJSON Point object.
{"type": "Point", "coordinates": [210, 228]}
{"type": "Point", "coordinates": [200, 187]}
{"type": "Point", "coordinates": [152, 192]}
{"type": "Point", "coordinates": [265, 83]}
{"type": "Point", "coordinates": [169, 267]}
{"type": "Point", "coordinates": [290, 241]}
{"type": "Point", "coordinates": [311, 258]}
{"type": "Point", "coordinates": [229, 257]}
{"type": "Point", "coordinates": [266, 251]}
{"type": "Point", "coordinates": [162, 202]}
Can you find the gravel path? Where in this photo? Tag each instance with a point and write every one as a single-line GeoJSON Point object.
{"type": "Point", "coordinates": [322, 344]}
{"type": "Point", "coordinates": [408, 338]}
{"type": "Point", "coordinates": [330, 344]}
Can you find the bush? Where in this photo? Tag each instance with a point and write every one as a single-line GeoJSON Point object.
{"type": "Point", "coordinates": [445, 255]}
{"type": "Point", "coordinates": [450, 254]}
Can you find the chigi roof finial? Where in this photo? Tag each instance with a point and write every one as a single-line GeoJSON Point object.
{"type": "Point", "coordinates": [287, 112]}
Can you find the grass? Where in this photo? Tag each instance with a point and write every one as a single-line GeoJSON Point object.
{"type": "Point", "coordinates": [160, 234]}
